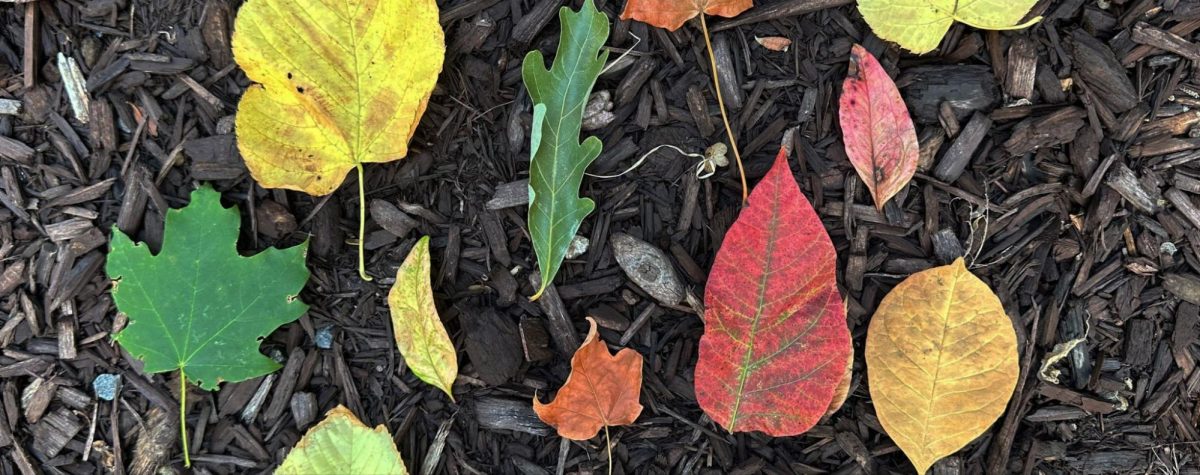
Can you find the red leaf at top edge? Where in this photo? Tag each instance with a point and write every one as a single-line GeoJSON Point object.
{"type": "Point", "coordinates": [775, 343]}
{"type": "Point", "coordinates": [877, 129]}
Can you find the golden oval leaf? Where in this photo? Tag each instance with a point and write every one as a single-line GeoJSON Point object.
{"type": "Point", "coordinates": [943, 362]}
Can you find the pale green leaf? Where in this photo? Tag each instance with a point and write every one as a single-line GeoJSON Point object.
{"type": "Point", "coordinates": [343, 444]}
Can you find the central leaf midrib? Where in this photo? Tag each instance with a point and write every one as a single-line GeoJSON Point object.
{"type": "Point", "coordinates": [937, 370]}
{"type": "Point", "coordinates": [356, 153]}
{"type": "Point", "coordinates": [745, 370]}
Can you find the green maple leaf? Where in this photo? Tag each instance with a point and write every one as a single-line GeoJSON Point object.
{"type": "Point", "coordinates": [198, 306]}
{"type": "Point", "coordinates": [558, 158]}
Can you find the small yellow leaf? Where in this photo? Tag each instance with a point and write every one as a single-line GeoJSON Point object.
{"type": "Point", "coordinates": [919, 25]}
{"type": "Point", "coordinates": [942, 356]}
{"type": "Point", "coordinates": [343, 444]}
{"type": "Point", "coordinates": [340, 83]}
{"type": "Point", "coordinates": [419, 332]}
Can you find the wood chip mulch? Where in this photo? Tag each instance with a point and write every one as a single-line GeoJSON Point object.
{"type": "Point", "coordinates": [1061, 160]}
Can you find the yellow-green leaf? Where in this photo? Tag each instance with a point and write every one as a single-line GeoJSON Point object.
{"type": "Point", "coordinates": [919, 25]}
{"type": "Point", "coordinates": [343, 444]}
{"type": "Point", "coordinates": [942, 362]}
{"type": "Point", "coordinates": [420, 335]}
{"type": "Point", "coordinates": [340, 83]}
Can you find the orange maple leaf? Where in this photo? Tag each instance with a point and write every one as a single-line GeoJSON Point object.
{"type": "Point", "coordinates": [671, 14]}
{"type": "Point", "coordinates": [602, 390]}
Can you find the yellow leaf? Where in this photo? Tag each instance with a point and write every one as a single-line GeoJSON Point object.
{"type": "Point", "coordinates": [942, 359]}
{"type": "Point", "coordinates": [419, 332]}
{"type": "Point", "coordinates": [340, 83]}
{"type": "Point", "coordinates": [919, 25]}
{"type": "Point", "coordinates": [343, 444]}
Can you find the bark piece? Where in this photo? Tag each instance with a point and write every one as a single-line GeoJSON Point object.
{"type": "Point", "coordinates": [1058, 128]}
{"type": "Point", "coordinates": [1097, 66]}
{"type": "Point", "coordinates": [965, 88]}
{"type": "Point", "coordinates": [1126, 183]}
{"type": "Point", "coordinates": [956, 159]}
{"type": "Point", "coordinates": [649, 268]}
{"type": "Point", "coordinates": [491, 344]}
{"type": "Point", "coordinates": [391, 219]}
{"type": "Point", "coordinates": [506, 414]}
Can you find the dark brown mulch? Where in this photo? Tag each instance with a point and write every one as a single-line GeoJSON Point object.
{"type": "Point", "coordinates": [1060, 160]}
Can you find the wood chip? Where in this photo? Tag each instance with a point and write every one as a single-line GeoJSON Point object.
{"type": "Point", "coordinates": [75, 86]}
{"type": "Point", "coordinates": [16, 151]}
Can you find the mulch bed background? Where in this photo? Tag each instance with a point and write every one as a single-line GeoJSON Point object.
{"type": "Point", "coordinates": [1060, 160]}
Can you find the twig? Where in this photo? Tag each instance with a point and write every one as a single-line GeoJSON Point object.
{"type": "Point", "coordinates": [712, 61]}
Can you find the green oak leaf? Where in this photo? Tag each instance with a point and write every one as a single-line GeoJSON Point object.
{"type": "Point", "coordinates": [343, 444]}
{"type": "Point", "coordinates": [198, 306]}
{"type": "Point", "coordinates": [558, 159]}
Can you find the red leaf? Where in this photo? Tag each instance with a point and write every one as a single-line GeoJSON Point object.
{"type": "Point", "coordinates": [672, 14]}
{"type": "Point", "coordinates": [879, 134]}
{"type": "Point", "coordinates": [775, 345]}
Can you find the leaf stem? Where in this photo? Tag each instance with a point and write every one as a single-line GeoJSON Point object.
{"type": "Point", "coordinates": [362, 224]}
{"type": "Point", "coordinates": [608, 447]}
{"type": "Point", "coordinates": [187, 459]}
{"type": "Point", "coordinates": [712, 61]}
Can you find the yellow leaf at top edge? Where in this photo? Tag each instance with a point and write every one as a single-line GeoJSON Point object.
{"type": "Point", "coordinates": [919, 25]}
{"type": "Point", "coordinates": [340, 83]}
{"type": "Point", "coordinates": [942, 362]}
{"type": "Point", "coordinates": [420, 335]}
{"type": "Point", "coordinates": [343, 444]}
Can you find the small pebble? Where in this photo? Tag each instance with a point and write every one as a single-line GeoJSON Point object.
{"type": "Point", "coordinates": [10, 107]}
{"type": "Point", "coordinates": [578, 246]}
{"type": "Point", "coordinates": [106, 386]}
{"type": "Point", "coordinates": [325, 337]}
{"type": "Point", "coordinates": [598, 112]}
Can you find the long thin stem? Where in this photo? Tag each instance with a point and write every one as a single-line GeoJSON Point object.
{"type": "Point", "coordinates": [608, 447]}
{"type": "Point", "coordinates": [187, 459]}
{"type": "Point", "coordinates": [362, 224]}
{"type": "Point", "coordinates": [712, 61]}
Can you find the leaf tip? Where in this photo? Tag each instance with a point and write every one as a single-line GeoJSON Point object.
{"type": "Point", "coordinates": [960, 264]}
